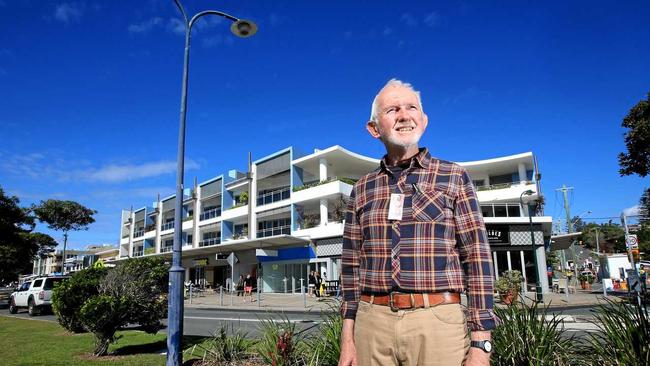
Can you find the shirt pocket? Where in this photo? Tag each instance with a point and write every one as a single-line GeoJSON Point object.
{"type": "Point", "coordinates": [429, 205]}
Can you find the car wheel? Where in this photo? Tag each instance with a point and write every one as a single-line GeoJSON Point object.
{"type": "Point", "coordinates": [31, 308]}
{"type": "Point", "coordinates": [12, 307]}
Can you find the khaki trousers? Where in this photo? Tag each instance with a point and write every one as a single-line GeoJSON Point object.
{"type": "Point", "coordinates": [424, 337]}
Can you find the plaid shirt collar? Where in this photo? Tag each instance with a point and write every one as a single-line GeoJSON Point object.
{"type": "Point", "coordinates": [422, 160]}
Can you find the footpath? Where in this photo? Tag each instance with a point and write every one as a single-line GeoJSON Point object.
{"type": "Point", "coordinates": [298, 303]}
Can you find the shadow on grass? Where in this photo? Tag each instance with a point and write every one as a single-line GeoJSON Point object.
{"type": "Point", "coordinates": [154, 347]}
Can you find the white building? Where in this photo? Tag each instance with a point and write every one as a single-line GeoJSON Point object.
{"type": "Point", "coordinates": [296, 207]}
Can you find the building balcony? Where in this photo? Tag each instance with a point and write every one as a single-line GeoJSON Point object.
{"type": "Point", "coordinates": [138, 233]}
{"type": "Point", "coordinates": [322, 190]}
{"type": "Point", "coordinates": [501, 210]}
{"type": "Point", "coordinates": [503, 185]}
{"type": "Point", "coordinates": [276, 195]}
{"type": "Point", "coordinates": [272, 231]}
{"type": "Point", "coordinates": [166, 249]}
{"type": "Point", "coordinates": [235, 212]}
{"type": "Point", "coordinates": [210, 214]}
{"type": "Point", "coordinates": [208, 242]}
{"type": "Point", "coordinates": [138, 253]}
{"type": "Point", "coordinates": [506, 191]}
{"type": "Point", "coordinates": [332, 228]}
{"type": "Point", "coordinates": [167, 226]}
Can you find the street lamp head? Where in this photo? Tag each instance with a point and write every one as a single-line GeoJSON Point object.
{"type": "Point", "coordinates": [243, 28]}
{"type": "Point", "coordinates": [528, 192]}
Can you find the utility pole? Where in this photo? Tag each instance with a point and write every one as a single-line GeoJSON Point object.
{"type": "Point", "coordinates": [569, 224]}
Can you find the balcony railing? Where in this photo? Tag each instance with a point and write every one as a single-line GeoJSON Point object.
{"type": "Point", "coordinates": [345, 180]}
{"type": "Point", "coordinates": [166, 249]}
{"type": "Point", "coordinates": [274, 196]}
{"type": "Point", "coordinates": [150, 227]}
{"type": "Point", "coordinates": [167, 226]}
{"type": "Point", "coordinates": [211, 213]}
{"type": "Point", "coordinates": [138, 233]}
{"type": "Point", "coordinates": [138, 253]}
{"type": "Point", "coordinates": [211, 241]}
{"type": "Point", "coordinates": [502, 185]}
{"type": "Point", "coordinates": [278, 230]}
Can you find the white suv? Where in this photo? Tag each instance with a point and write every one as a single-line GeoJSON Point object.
{"type": "Point", "coordinates": [35, 295]}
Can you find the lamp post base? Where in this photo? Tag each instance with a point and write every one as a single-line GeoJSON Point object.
{"type": "Point", "coordinates": [175, 316]}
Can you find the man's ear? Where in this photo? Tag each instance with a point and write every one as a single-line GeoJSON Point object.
{"type": "Point", "coordinates": [371, 126]}
{"type": "Point", "coordinates": [425, 119]}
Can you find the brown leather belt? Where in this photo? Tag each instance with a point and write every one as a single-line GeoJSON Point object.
{"type": "Point", "coordinates": [400, 301]}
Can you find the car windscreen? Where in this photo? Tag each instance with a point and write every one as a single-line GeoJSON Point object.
{"type": "Point", "coordinates": [51, 282]}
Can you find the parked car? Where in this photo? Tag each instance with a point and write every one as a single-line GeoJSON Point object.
{"type": "Point", "coordinates": [34, 295]}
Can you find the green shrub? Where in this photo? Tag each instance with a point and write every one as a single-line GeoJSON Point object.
{"type": "Point", "coordinates": [69, 296]}
{"type": "Point", "coordinates": [325, 346]}
{"type": "Point", "coordinates": [526, 337]}
{"type": "Point", "coordinates": [134, 292]}
{"type": "Point", "coordinates": [623, 337]}
{"type": "Point", "coordinates": [223, 348]}
{"type": "Point", "coordinates": [103, 315]}
{"type": "Point", "coordinates": [280, 344]}
{"type": "Point", "coordinates": [509, 281]}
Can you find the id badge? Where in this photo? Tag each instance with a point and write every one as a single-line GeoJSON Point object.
{"type": "Point", "coordinates": [396, 206]}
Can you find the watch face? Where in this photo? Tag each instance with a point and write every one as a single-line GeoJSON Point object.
{"type": "Point", "coordinates": [487, 345]}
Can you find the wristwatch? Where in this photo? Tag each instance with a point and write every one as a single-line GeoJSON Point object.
{"type": "Point", "coordinates": [486, 346]}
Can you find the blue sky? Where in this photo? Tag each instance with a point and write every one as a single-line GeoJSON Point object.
{"type": "Point", "coordinates": [90, 91]}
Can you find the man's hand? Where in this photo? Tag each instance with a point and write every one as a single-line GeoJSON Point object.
{"type": "Point", "coordinates": [476, 356]}
{"type": "Point", "coordinates": [348, 350]}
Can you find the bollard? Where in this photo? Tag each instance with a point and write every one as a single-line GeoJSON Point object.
{"type": "Point", "coordinates": [221, 294]}
{"type": "Point", "coordinates": [302, 292]}
{"type": "Point", "coordinates": [231, 297]}
{"type": "Point", "coordinates": [293, 285]}
{"type": "Point", "coordinates": [259, 290]}
{"type": "Point", "coordinates": [190, 293]}
{"type": "Point", "coordinates": [285, 284]}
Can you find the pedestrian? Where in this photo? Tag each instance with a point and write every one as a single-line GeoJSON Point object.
{"type": "Point", "coordinates": [317, 283]}
{"type": "Point", "coordinates": [239, 286]}
{"type": "Point", "coordinates": [311, 284]}
{"type": "Point", "coordinates": [248, 287]}
{"type": "Point", "coordinates": [414, 239]}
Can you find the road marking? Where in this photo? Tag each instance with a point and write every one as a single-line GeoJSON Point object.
{"type": "Point", "coordinates": [248, 320]}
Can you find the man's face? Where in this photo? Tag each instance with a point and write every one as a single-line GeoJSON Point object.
{"type": "Point", "coordinates": [400, 120]}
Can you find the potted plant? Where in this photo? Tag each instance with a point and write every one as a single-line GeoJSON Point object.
{"type": "Point", "coordinates": [508, 285]}
{"type": "Point", "coordinates": [586, 280]}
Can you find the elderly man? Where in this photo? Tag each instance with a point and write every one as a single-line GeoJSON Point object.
{"type": "Point", "coordinates": [414, 240]}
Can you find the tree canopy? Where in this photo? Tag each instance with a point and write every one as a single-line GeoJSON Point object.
{"type": "Point", "coordinates": [18, 244]}
{"type": "Point", "coordinates": [64, 215]}
{"type": "Point", "coordinates": [637, 141]}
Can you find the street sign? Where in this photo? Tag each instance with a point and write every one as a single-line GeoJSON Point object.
{"type": "Point", "coordinates": [232, 259]}
{"type": "Point", "coordinates": [631, 241]}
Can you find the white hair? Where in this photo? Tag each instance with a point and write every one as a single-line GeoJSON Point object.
{"type": "Point", "coordinates": [392, 82]}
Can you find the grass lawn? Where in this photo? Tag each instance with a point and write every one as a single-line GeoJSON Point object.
{"type": "Point", "coordinates": [34, 342]}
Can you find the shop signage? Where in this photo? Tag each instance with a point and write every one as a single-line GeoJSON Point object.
{"type": "Point", "coordinates": [200, 262]}
{"type": "Point", "coordinates": [498, 234]}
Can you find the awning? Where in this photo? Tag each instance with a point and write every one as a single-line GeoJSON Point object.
{"type": "Point", "coordinates": [563, 241]}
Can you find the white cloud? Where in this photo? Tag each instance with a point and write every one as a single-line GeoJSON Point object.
{"type": "Point", "coordinates": [632, 211]}
{"type": "Point", "coordinates": [432, 19]}
{"type": "Point", "coordinates": [119, 173]}
{"type": "Point", "coordinates": [68, 12]}
{"type": "Point", "coordinates": [39, 166]}
{"type": "Point", "coordinates": [176, 25]}
{"type": "Point", "coordinates": [145, 26]}
{"type": "Point", "coordinates": [409, 20]}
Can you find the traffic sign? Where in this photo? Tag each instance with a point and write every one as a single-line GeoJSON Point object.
{"type": "Point", "coordinates": [631, 241]}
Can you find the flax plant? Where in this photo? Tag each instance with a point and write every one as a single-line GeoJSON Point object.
{"type": "Point", "coordinates": [325, 345]}
{"type": "Point", "coordinates": [280, 344]}
{"type": "Point", "coordinates": [224, 349]}
{"type": "Point", "coordinates": [528, 337]}
{"type": "Point", "coordinates": [623, 337]}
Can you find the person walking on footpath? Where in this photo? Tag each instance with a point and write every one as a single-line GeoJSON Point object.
{"type": "Point", "coordinates": [311, 284]}
{"type": "Point", "coordinates": [414, 239]}
{"type": "Point", "coordinates": [239, 286]}
{"type": "Point", "coordinates": [248, 287]}
{"type": "Point", "coordinates": [319, 282]}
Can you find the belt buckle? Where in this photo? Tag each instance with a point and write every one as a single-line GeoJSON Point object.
{"type": "Point", "coordinates": [391, 302]}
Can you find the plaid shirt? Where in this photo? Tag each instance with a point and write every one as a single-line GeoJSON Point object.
{"type": "Point", "coordinates": [439, 245]}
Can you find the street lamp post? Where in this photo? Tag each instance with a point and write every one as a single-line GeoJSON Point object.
{"type": "Point", "coordinates": [538, 286]}
{"type": "Point", "coordinates": [241, 28]}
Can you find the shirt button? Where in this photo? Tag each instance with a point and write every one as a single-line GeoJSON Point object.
{"type": "Point", "coordinates": [395, 225]}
